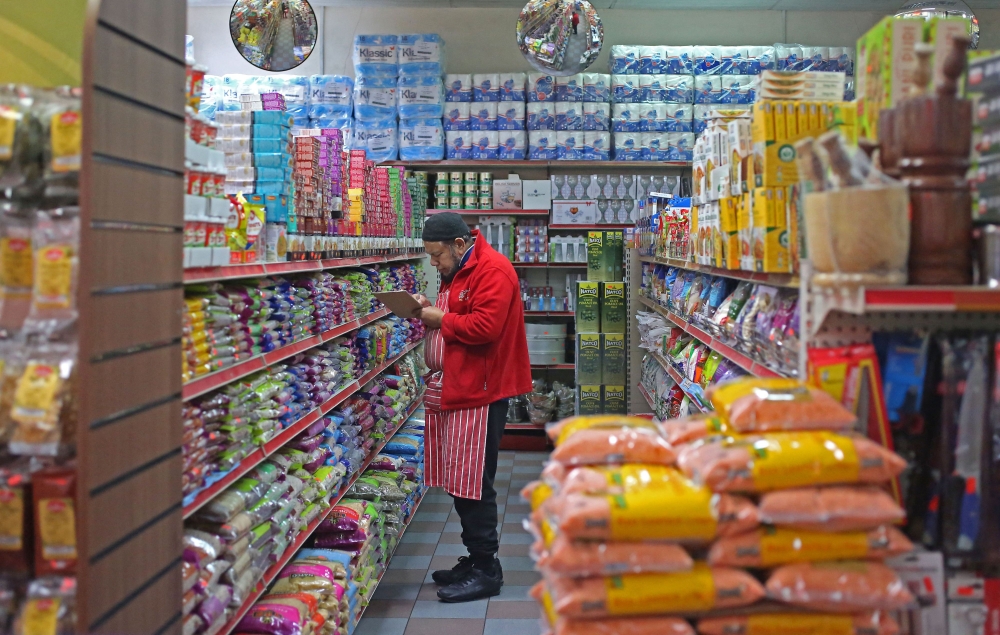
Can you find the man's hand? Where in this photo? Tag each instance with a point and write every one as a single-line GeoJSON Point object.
{"type": "Point", "coordinates": [424, 302]}
{"type": "Point", "coordinates": [432, 316]}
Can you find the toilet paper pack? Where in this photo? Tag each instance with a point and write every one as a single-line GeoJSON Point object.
{"type": "Point", "coordinates": [652, 88]}
{"type": "Point", "coordinates": [421, 139]}
{"type": "Point", "coordinates": [652, 60]}
{"type": "Point", "coordinates": [569, 88]}
{"type": "Point", "coordinates": [738, 89]}
{"type": "Point", "coordinates": [596, 116]}
{"type": "Point", "coordinates": [486, 87]}
{"type": "Point", "coordinates": [420, 96]}
{"type": "Point", "coordinates": [679, 117]}
{"type": "Point", "coordinates": [374, 98]}
{"type": "Point", "coordinates": [458, 87]}
{"type": "Point", "coordinates": [483, 115]}
{"type": "Point", "coordinates": [541, 116]}
{"type": "Point", "coordinates": [733, 60]}
{"type": "Point", "coordinates": [541, 87]}
{"type": "Point", "coordinates": [596, 87]}
{"type": "Point", "coordinates": [485, 144]}
{"type": "Point", "coordinates": [624, 59]}
{"type": "Point", "coordinates": [330, 96]}
{"type": "Point", "coordinates": [625, 117]}
{"type": "Point", "coordinates": [376, 56]}
{"type": "Point", "coordinates": [628, 146]}
{"type": "Point", "coordinates": [513, 144]}
{"type": "Point", "coordinates": [679, 60]}
{"type": "Point", "coordinates": [655, 146]}
{"type": "Point", "coordinates": [815, 58]}
{"type": "Point", "coordinates": [421, 54]}
{"type": "Point", "coordinates": [597, 146]}
{"type": "Point", "coordinates": [511, 115]}
{"type": "Point", "coordinates": [457, 115]}
{"type": "Point", "coordinates": [653, 117]}
{"type": "Point", "coordinates": [625, 88]}
{"type": "Point", "coordinates": [542, 145]}
{"type": "Point", "coordinates": [513, 86]}
{"type": "Point", "coordinates": [701, 114]}
{"type": "Point", "coordinates": [707, 89]}
{"type": "Point", "coordinates": [707, 60]}
{"type": "Point", "coordinates": [570, 145]}
{"type": "Point", "coordinates": [378, 137]}
{"type": "Point", "coordinates": [459, 144]}
{"type": "Point", "coordinates": [681, 146]}
{"type": "Point", "coordinates": [679, 89]}
{"type": "Point", "coordinates": [569, 116]}
{"type": "Point", "coordinates": [788, 57]}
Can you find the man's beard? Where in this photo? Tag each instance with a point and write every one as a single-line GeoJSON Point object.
{"type": "Point", "coordinates": [451, 274]}
{"type": "Point", "coordinates": [457, 258]}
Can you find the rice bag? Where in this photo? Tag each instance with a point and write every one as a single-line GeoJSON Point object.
{"type": "Point", "coordinates": [692, 428]}
{"type": "Point", "coordinates": [305, 577]}
{"type": "Point", "coordinates": [830, 508]}
{"type": "Point", "coordinates": [755, 404]}
{"type": "Point", "coordinates": [624, 626]}
{"type": "Point", "coordinates": [770, 547]}
{"type": "Point", "coordinates": [761, 463]}
{"type": "Point", "coordinates": [799, 623]}
{"type": "Point", "coordinates": [563, 556]}
{"type": "Point", "coordinates": [345, 516]}
{"type": "Point", "coordinates": [839, 587]}
{"type": "Point", "coordinates": [603, 445]}
{"type": "Point", "coordinates": [560, 430]}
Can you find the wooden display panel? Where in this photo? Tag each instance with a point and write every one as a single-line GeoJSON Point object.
{"type": "Point", "coordinates": [131, 194]}
{"type": "Point", "coordinates": [161, 320]}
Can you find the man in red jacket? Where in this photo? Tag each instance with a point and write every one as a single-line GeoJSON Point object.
{"type": "Point", "coordinates": [477, 353]}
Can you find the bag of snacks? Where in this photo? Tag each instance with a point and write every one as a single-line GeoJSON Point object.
{"type": "Point", "coordinates": [755, 404]}
{"type": "Point", "coordinates": [830, 508]}
{"type": "Point", "coordinates": [770, 547]}
{"type": "Point", "coordinates": [839, 587]}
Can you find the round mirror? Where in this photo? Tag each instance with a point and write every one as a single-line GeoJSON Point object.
{"type": "Point", "coordinates": [560, 37]}
{"type": "Point", "coordinates": [943, 9]}
{"type": "Point", "coordinates": [273, 35]}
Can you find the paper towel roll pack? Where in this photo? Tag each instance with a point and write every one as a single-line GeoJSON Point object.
{"type": "Point", "coordinates": [625, 88]}
{"type": "Point", "coordinates": [625, 59]}
{"type": "Point", "coordinates": [458, 87]}
{"type": "Point", "coordinates": [378, 137]}
{"type": "Point", "coordinates": [680, 60]}
{"type": "Point", "coordinates": [628, 146]}
{"type": "Point", "coordinates": [376, 55]}
{"type": "Point", "coordinates": [485, 87]}
{"type": "Point", "coordinates": [679, 117]}
{"type": "Point", "coordinates": [707, 89]}
{"type": "Point", "coordinates": [542, 145]}
{"type": "Point", "coordinates": [596, 116]}
{"type": "Point", "coordinates": [570, 145]}
{"type": "Point", "coordinates": [738, 89]}
{"type": "Point", "coordinates": [483, 116]}
{"type": "Point", "coordinates": [653, 88]}
{"type": "Point", "coordinates": [679, 89]}
{"type": "Point", "coordinates": [331, 96]}
{"type": "Point", "coordinates": [569, 116]}
{"type": "Point", "coordinates": [653, 60]}
{"type": "Point", "coordinates": [458, 144]}
{"type": "Point", "coordinates": [541, 87]}
{"type": "Point", "coordinates": [513, 144]}
{"type": "Point", "coordinates": [374, 98]}
{"type": "Point", "coordinates": [513, 86]}
{"type": "Point", "coordinates": [653, 117]}
{"type": "Point", "coordinates": [597, 146]}
{"type": "Point", "coordinates": [656, 146]}
{"type": "Point", "coordinates": [596, 87]}
{"type": "Point", "coordinates": [457, 115]}
{"type": "Point", "coordinates": [569, 88]}
{"type": "Point", "coordinates": [511, 115]}
{"type": "Point", "coordinates": [420, 96]}
{"type": "Point", "coordinates": [541, 116]}
{"type": "Point", "coordinates": [485, 144]}
{"type": "Point", "coordinates": [421, 139]}
{"type": "Point", "coordinates": [421, 54]}
{"type": "Point", "coordinates": [625, 117]}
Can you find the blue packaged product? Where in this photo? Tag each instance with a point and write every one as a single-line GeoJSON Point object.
{"type": "Point", "coordinates": [456, 115]}
{"type": "Point", "coordinates": [625, 117]}
{"type": "Point", "coordinates": [707, 89]}
{"type": "Point", "coordinates": [679, 89]}
{"type": "Point", "coordinates": [485, 145]}
{"type": "Point", "coordinates": [271, 159]}
{"type": "Point", "coordinates": [378, 138]}
{"type": "Point", "coordinates": [513, 145]}
{"type": "Point", "coordinates": [679, 60]}
{"type": "Point", "coordinates": [459, 144]}
{"type": "Point", "coordinates": [569, 116]}
{"type": "Point", "coordinates": [541, 116]}
{"type": "Point", "coordinates": [483, 115]}
{"type": "Point", "coordinates": [294, 88]}
{"type": "Point", "coordinates": [625, 59]}
{"type": "Point", "coordinates": [229, 88]}
{"type": "Point", "coordinates": [458, 87]}
{"type": "Point", "coordinates": [269, 131]}
{"type": "Point", "coordinates": [569, 88]}
{"type": "Point", "coordinates": [625, 88]}
{"type": "Point", "coordinates": [375, 98]}
{"type": "Point", "coordinates": [276, 208]}
{"type": "Point", "coordinates": [541, 87]}
{"type": "Point", "coordinates": [376, 56]}
{"type": "Point", "coordinates": [652, 60]}
{"type": "Point", "coordinates": [421, 54]}
{"type": "Point", "coordinates": [330, 96]}
{"type": "Point", "coordinates": [543, 145]}
{"type": "Point", "coordinates": [628, 146]}
{"type": "Point", "coordinates": [596, 87]}
{"type": "Point", "coordinates": [269, 145]}
{"type": "Point", "coordinates": [653, 117]}
{"type": "Point", "coordinates": [570, 146]}
{"type": "Point", "coordinates": [596, 116]}
{"type": "Point", "coordinates": [513, 87]}
{"type": "Point", "coordinates": [652, 88]}
{"type": "Point", "coordinates": [420, 96]}
{"type": "Point", "coordinates": [511, 115]}
{"type": "Point", "coordinates": [597, 146]}
{"type": "Point", "coordinates": [421, 139]}
{"type": "Point", "coordinates": [707, 60]}
{"type": "Point", "coordinates": [679, 118]}
{"type": "Point", "coordinates": [211, 92]}
{"type": "Point", "coordinates": [681, 146]}
{"type": "Point", "coordinates": [486, 87]}
{"type": "Point", "coordinates": [656, 146]}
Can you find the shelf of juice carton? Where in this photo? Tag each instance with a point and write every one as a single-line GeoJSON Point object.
{"type": "Point", "coordinates": [602, 226]}
{"type": "Point", "coordinates": [553, 366]}
{"type": "Point", "coordinates": [235, 272]}
{"type": "Point", "coordinates": [492, 212]}
{"type": "Point", "coordinates": [550, 164]}
{"type": "Point", "coordinates": [211, 381]}
{"type": "Point", "coordinates": [272, 572]}
{"type": "Point", "coordinates": [772, 279]}
{"type": "Point", "coordinates": [549, 265]}
{"type": "Point", "coordinates": [692, 390]}
{"type": "Point", "coordinates": [743, 361]}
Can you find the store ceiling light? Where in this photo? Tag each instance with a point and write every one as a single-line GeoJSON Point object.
{"type": "Point", "coordinates": [943, 8]}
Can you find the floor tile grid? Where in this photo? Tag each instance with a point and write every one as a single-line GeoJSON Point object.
{"type": "Point", "coordinates": [406, 603]}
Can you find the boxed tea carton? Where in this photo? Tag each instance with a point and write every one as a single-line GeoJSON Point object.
{"type": "Point", "coordinates": [886, 66]}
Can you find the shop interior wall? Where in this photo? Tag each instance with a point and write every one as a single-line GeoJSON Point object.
{"type": "Point", "coordinates": [482, 39]}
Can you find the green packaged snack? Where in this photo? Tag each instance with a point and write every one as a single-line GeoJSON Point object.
{"type": "Point", "coordinates": [614, 312]}
{"type": "Point", "coordinates": [588, 312]}
{"type": "Point", "coordinates": [596, 246]}
{"type": "Point", "coordinates": [613, 400]}
{"type": "Point", "coordinates": [614, 361]}
{"type": "Point", "coordinates": [711, 364]}
{"type": "Point", "coordinates": [588, 400]}
{"type": "Point", "coordinates": [588, 358]}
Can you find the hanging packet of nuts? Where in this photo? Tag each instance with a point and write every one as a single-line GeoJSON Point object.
{"type": "Point", "coordinates": [42, 412]}
{"type": "Point", "coordinates": [50, 608]}
{"type": "Point", "coordinates": [56, 241]}
{"type": "Point", "coordinates": [62, 123]}
{"type": "Point", "coordinates": [16, 266]}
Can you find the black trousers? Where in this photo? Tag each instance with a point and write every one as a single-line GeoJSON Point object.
{"type": "Point", "coordinates": [479, 517]}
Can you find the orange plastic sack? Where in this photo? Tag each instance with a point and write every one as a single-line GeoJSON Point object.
{"type": "Point", "coordinates": [771, 547]}
{"type": "Point", "coordinates": [830, 508]}
{"type": "Point", "coordinates": [695, 591]}
{"type": "Point", "coordinates": [560, 430]}
{"type": "Point", "coordinates": [799, 624]}
{"type": "Point", "coordinates": [692, 428]}
{"type": "Point", "coordinates": [607, 626]}
{"type": "Point", "coordinates": [618, 479]}
{"type": "Point", "coordinates": [786, 460]}
{"type": "Point", "coordinates": [585, 559]}
{"type": "Point", "coordinates": [755, 404]}
{"type": "Point", "coordinates": [536, 493]}
{"type": "Point", "coordinates": [603, 446]}
{"type": "Point", "coordinates": [839, 587]}
{"type": "Point", "coordinates": [553, 473]}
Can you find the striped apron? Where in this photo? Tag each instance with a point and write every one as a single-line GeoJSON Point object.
{"type": "Point", "coordinates": [455, 440]}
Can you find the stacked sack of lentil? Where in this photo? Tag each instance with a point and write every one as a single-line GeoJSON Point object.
{"type": "Point", "coordinates": [774, 488]}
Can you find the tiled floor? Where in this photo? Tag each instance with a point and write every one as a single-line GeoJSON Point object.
{"type": "Point", "coordinates": [405, 602]}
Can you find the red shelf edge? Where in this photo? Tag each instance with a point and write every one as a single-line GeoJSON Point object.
{"type": "Point", "coordinates": [193, 275]}
{"type": "Point", "coordinates": [785, 280]}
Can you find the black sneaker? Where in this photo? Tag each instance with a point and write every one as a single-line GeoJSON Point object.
{"type": "Point", "coordinates": [475, 585]}
{"type": "Point", "coordinates": [453, 575]}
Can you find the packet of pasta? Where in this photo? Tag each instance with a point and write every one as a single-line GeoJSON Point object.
{"type": "Point", "coordinates": [657, 625]}
{"type": "Point", "coordinates": [605, 445]}
{"type": "Point", "coordinates": [561, 556]}
{"type": "Point", "coordinates": [755, 404]}
{"type": "Point", "coordinates": [561, 430]}
{"type": "Point", "coordinates": [693, 428]}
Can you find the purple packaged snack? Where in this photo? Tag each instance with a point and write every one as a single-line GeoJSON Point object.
{"type": "Point", "coordinates": [352, 543]}
{"type": "Point", "coordinates": [316, 428]}
{"type": "Point", "coordinates": [271, 619]}
{"type": "Point", "coordinates": [215, 604]}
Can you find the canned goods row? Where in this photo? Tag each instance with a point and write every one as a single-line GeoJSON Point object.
{"type": "Point", "coordinates": [469, 202]}
{"type": "Point", "coordinates": [465, 178]}
{"type": "Point", "coordinates": [463, 190]}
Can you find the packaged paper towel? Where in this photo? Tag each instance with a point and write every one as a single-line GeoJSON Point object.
{"type": "Point", "coordinates": [679, 89]}
{"type": "Point", "coordinates": [457, 115]}
{"type": "Point", "coordinates": [762, 58]}
{"type": "Point", "coordinates": [294, 88]}
{"type": "Point", "coordinates": [511, 115]}
{"type": "Point", "coordinates": [596, 115]}
{"type": "Point", "coordinates": [420, 96]}
{"type": "Point", "coordinates": [628, 146]}
{"type": "Point", "coordinates": [707, 89]}
{"type": "Point", "coordinates": [815, 58]}
{"type": "Point", "coordinates": [542, 145]}
{"type": "Point", "coordinates": [653, 60]}
{"type": "Point", "coordinates": [707, 60]}
{"type": "Point", "coordinates": [652, 88]}
{"type": "Point", "coordinates": [344, 124]}
{"type": "Point", "coordinates": [738, 89]}
{"type": "Point", "coordinates": [733, 60]}
{"type": "Point", "coordinates": [513, 144]}
{"type": "Point", "coordinates": [569, 88]}
{"type": "Point", "coordinates": [513, 86]}
{"type": "Point", "coordinates": [459, 144]}
{"type": "Point", "coordinates": [596, 87]}
{"type": "Point", "coordinates": [597, 146]}
{"type": "Point", "coordinates": [679, 117]}
{"type": "Point", "coordinates": [788, 57]}
{"type": "Point", "coordinates": [421, 54]}
{"type": "Point", "coordinates": [681, 146]}
{"type": "Point", "coordinates": [330, 95]}
{"type": "Point", "coordinates": [421, 139]}
{"type": "Point", "coordinates": [211, 93]}
{"type": "Point", "coordinates": [680, 60]}
{"type": "Point", "coordinates": [702, 112]}
{"type": "Point", "coordinates": [653, 117]}
{"type": "Point", "coordinates": [569, 116]}
{"type": "Point", "coordinates": [570, 146]}
{"type": "Point", "coordinates": [625, 88]}
{"type": "Point", "coordinates": [655, 146]}
{"type": "Point", "coordinates": [485, 144]}
{"type": "Point", "coordinates": [541, 87]}
{"type": "Point", "coordinates": [374, 98]}
{"type": "Point", "coordinates": [377, 137]}
{"type": "Point", "coordinates": [624, 59]}
{"type": "Point", "coordinates": [486, 87]}
{"type": "Point", "coordinates": [541, 116]}
{"type": "Point", "coordinates": [458, 87]}
{"type": "Point", "coordinates": [376, 56]}
{"type": "Point", "coordinates": [625, 117]}
{"type": "Point", "coordinates": [483, 115]}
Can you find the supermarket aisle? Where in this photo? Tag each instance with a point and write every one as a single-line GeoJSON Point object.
{"type": "Point", "coordinates": [283, 55]}
{"type": "Point", "coordinates": [405, 602]}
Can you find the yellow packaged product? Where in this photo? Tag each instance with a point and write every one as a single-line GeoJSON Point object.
{"type": "Point", "coordinates": [41, 412]}
{"type": "Point", "coordinates": [561, 430]}
{"type": "Point", "coordinates": [770, 547]}
{"type": "Point", "coordinates": [799, 624]}
{"type": "Point", "coordinates": [756, 404]}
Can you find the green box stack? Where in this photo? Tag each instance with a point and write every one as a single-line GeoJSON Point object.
{"type": "Point", "coordinates": [614, 312]}
{"type": "Point", "coordinates": [588, 307]}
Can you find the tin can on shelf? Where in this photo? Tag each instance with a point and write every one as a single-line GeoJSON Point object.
{"type": "Point", "coordinates": [442, 178]}
{"type": "Point", "coordinates": [486, 179]}
{"type": "Point", "coordinates": [455, 178]}
{"type": "Point", "coordinates": [485, 201]}
{"type": "Point", "coordinates": [456, 202]}
{"type": "Point", "coordinates": [470, 202]}
{"type": "Point", "coordinates": [471, 178]}
{"type": "Point", "coordinates": [441, 191]}
{"type": "Point", "coordinates": [471, 190]}
{"type": "Point", "coordinates": [456, 190]}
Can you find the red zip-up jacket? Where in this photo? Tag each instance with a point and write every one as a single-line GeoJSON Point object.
{"type": "Point", "coordinates": [485, 348]}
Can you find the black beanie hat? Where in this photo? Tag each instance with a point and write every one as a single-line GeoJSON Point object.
{"type": "Point", "coordinates": [445, 226]}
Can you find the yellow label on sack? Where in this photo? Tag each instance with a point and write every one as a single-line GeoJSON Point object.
{"type": "Point", "coordinates": [602, 421]}
{"type": "Point", "coordinates": [66, 136]}
{"type": "Point", "coordinates": [8, 126]}
{"type": "Point", "coordinates": [725, 395]}
{"type": "Point", "coordinates": [549, 608]}
{"type": "Point", "coordinates": [37, 387]}
{"type": "Point", "coordinates": [540, 495]}
{"type": "Point", "coordinates": [41, 616]}
{"type": "Point", "coordinates": [799, 459]}
{"type": "Point", "coordinates": [792, 624]}
{"type": "Point", "coordinates": [548, 532]}
{"type": "Point", "coordinates": [53, 277]}
{"type": "Point", "coordinates": [783, 546]}
{"type": "Point", "coordinates": [15, 262]}
{"type": "Point", "coordinates": [635, 476]}
{"type": "Point", "coordinates": [57, 528]}
{"type": "Point", "coordinates": [688, 592]}
{"type": "Point", "coordinates": [675, 511]}
{"type": "Point", "coordinates": [11, 519]}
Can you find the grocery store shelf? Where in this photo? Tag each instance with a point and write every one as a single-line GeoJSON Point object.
{"type": "Point", "coordinates": [549, 314]}
{"type": "Point", "coordinates": [645, 395]}
{"type": "Point", "coordinates": [743, 361]}
{"type": "Point", "coordinates": [548, 265]}
{"type": "Point", "coordinates": [492, 212]}
{"type": "Point", "coordinates": [553, 366]}
{"type": "Point", "coordinates": [860, 300]}
{"type": "Point", "coordinates": [523, 426]}
{"type": "Point", "coordinates": [773, 279]}
{"type": "Point", "coordinates": [272, 572]}
{"type": "Point", "coordinates": [600, 226]}
{"type": "Point", "coordinates": [691, 389]}
{"type": "Point", "coordinates": [211, 381]}
{"type": "Point", "coordinates": [199, 275]}
{"type": "Point", "coordinates": [631, 165]}
{"type": "Point", "coordinates": [260, 454]}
